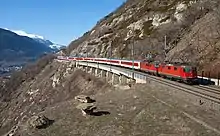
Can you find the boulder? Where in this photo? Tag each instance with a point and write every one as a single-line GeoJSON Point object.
{"type": "Point", "coordinates": [39, 122]}
{"type": "Point", "coordinates": [86, 108]}
{"type": "Point", "coordinates": [84, 99]}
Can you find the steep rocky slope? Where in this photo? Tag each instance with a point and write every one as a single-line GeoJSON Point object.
{"type": "Point", "coordinates": [191, 28]}
{"type": "Point", "coordinates": [148, 109]}
{"type": "Point", "coordinates": [30, 91]}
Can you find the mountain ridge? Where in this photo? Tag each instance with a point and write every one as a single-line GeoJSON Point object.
{"type": "Point", "coordinates": [38, 38]}
{"type": "Point", "coordinates": [18, 50]}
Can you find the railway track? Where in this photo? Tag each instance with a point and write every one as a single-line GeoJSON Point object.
{"type": "Point", "coordinates": [209, 93]}
{"type": "Point", "coordinates": [217, 88]}
{"type": "Point", "coordinates": [210, 90]}
{"type": "Point", "coordinates": [205, 92]}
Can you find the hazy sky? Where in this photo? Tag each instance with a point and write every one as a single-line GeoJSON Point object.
{"type": "Point", "coordinates": [57, 20]}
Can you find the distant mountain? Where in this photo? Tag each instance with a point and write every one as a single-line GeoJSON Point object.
{"type": "Point", "coordinates": [39, 39]}
{"type": "Point", "coordinates": [13, 46]}
{"type": "Point", "coordinates": [18, 48]}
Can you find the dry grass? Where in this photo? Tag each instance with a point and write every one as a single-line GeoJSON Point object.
{"type": "Point", "coordinates": [139, 111]}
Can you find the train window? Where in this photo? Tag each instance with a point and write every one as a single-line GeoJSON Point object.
{"type": "Point", "coordinates": [156, 65]}
{"type": "Point", "coordinates": [175, 68]}
{"type": "Point", "coordinates": [169, 67]}
{"type": "Point", "coordinates": [187, 69]}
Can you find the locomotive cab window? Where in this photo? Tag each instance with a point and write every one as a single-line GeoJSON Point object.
{"type": "Point", "coordinates": [169, 67]}
{"type": "Point", "coordinates": [156, 65]}
{"type": "Point", "coordinates": [187, 69]}
{"type": "Point", "coordinates": [175, 68]}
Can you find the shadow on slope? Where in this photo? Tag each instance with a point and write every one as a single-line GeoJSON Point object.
{"type": "Point", "coordinates": [100, 113]}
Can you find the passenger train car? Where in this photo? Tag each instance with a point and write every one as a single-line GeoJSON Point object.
{"type": "Point", "coordinates": [179, 72]}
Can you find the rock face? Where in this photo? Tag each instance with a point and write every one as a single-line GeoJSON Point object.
{"type": "Point", "coordinates": [191, 28]}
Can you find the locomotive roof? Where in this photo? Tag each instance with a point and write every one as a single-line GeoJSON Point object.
{"type": "Point", "coordinates": [180, 64]}
{"type": "Point", "coordinates": [171, 63]}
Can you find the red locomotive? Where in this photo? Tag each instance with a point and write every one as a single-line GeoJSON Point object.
{"type": "Point", "coordinates": [179, 72]}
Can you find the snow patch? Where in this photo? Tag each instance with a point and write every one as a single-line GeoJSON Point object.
{"type": "Point", "coordinates": [23, 33]}
{"type": "Point", "coordinates": [37, 38]}
{"type": "Point", "coordinates": [56, 46]}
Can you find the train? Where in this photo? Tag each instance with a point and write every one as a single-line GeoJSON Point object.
{"type": "Point", "coordinates": [174, 71]}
